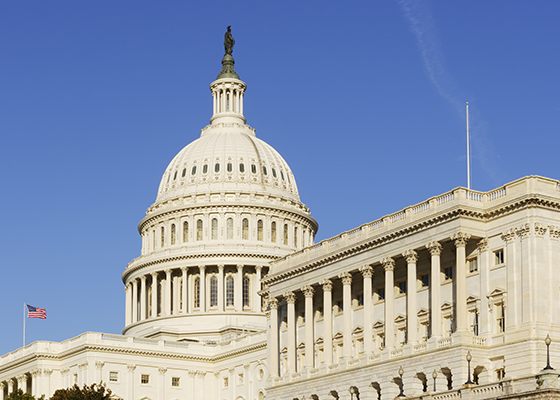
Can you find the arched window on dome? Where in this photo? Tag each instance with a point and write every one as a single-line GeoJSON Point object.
{"type": "Point", "coordinates": [205, 168]}
{"type": "Point", "coordinates": [264, 170]}
{"type": "Point", "coordinates": [175, 175]}
{"type": "Point", "coordinates": [214, 228]}
{"type": "Point", "coordinates": [199, 229]}
{"type": "Point", "coordinates": [229, 291]}
{"type": "Point", "coordinates": [197, 292]}
{"type": "Point", "coordinates": [282, 174]}
{"type": "Point", "coordinates": [213, 291]}
{"type": "Point", "coordinates": [184, 173]}
{"type": "Point", "coordinates": [193, 170]}
{"type": "Point", "coordinates": [217, 167]}
{"type": "Point", "coordinates": [229, 167]}
{"type": "Point", "coordinates": [273, 232]}
{"type": "Point", "coordinates": [253, 168]}
{"type": "Point", "coordinates": [286, 234]}
{"type": "Point", "coordinates": [260, 230]}
{"type": "Point", "coordinates": [295, 238]}
{"type": "Point", "coordinates": [153, 240]}
{"type": "Point", "coordinates": [173, 234]}
{"type": "Point", "coordinates": [185, 232]}
{"type": "Point", "coordinates": [245, 226]}
{"type": "Point", "coordinates": [162, 236]}
{"type": "Point", "coordinates": [229, 228]}
{"type": "Point", "coordinates": [241, 167]}
{"type": "Point", "coordinates": [246, 291]}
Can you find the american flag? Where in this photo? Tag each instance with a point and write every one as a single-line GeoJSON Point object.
{"type": "Point", "coordinates": [36, 312]}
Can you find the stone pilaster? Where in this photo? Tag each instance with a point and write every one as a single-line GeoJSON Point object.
{"type": "Point", "coordinates": [327, 321]}
{"type": "Point", "coordinates": [346, 279]}
{"type": "Point", "coordinates": [290, 299]}
{"type": "Point", "coordinates": [461, 239]}
{"type": "Point", "coordinates": [308, 292]}
{"type": "Point", "coordinates": [389, 266]}
{"type": "Point", "coordinates": [435, 288]}
{"type": "Point", "coordinates": [367, 273]}
{"type": "Point", "coordinates": [273, 349]}
{"type": "Point", "coordinates": [411, 258]}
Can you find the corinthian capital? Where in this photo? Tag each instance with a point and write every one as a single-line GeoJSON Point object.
{"type": "Point", "coordinates": [308, 291]}
{"type": "Point", "coordinates": [410, 256]}
{"type": "Point", "coordinates": [346, 278]}
{"type": "Point", "coordinates": [290, 297]}
{"type": "Point", "coordinates": [273, 303]}
{"type": "Point", "coordinates": [367, 271]}
{"type": "Point", "coordinates": [461, 239]}
{"type": "Point", "coordinates": [327, 285]}
{"type": "Point", "coordinates": [388, 264]}
{"type": "Point", "coordinates": [435, 248]}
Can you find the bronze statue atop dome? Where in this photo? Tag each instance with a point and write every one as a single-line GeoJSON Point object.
{"type": "Point", "coordinates": [229, 41]}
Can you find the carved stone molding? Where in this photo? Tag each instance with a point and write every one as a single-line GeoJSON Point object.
{"type": "Point", "coordinates": [327, 285]}
{"type": "Point", "coordinates": [508, 235]}
{"type": "Point", "coordinates": [83, 366]}
{"type": "Point", "coordinates": [131, 367]}
{"type": "Point", "coordinates": [201, 374]}
{"type": "Point", "coordinates": [99, 364]}
{"type": "Point", "coordinates": [308, 291]}
{"type": "Point", "coordinates": [388, 264]}
{"type": "Point", "coordinates": [168, 271]}
{"type": "Point", "coordinates": [410, 256]}
{"type": "Point", "coordinates": [524, 230]}
{"type": "Point", "coordinates": [47, 372]}
{"type": "Point", "coordinates": [37, 372]}
{"type": "Point", "coordinates": [273, 303]}
{"type": "Point", "coordinates": [482, 245]}
{"type": "Point", "coordinates": [202, 267]}
{"type": "Point", "coordinates": [63, 371]}
{"type": "Point", "coordinates": [162, 370]}
{"type": "Point", "coordinates": [540, 229]}
{"type": "Point", "coordinates": [20, 379]}
{"type": "Point", "coordinates": [460, 239]}
{"type": "Point", "coordinates": [290, 297]}
{"type": "Point", "coordinates": [346, 278]}
{"type": "Point", "coordinates": [554, 231]}
{"type": "Point", "coordinates": [435, 248]}
{"type": "Point", "coordinates": [186, 269]}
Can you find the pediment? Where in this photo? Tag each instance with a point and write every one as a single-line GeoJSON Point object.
{"type": "Point", "coordinates": [379, 324]}
{"type": "Point", "coordinates": [497, 292]}
{"type": "Point", "coordinates": [301, 346]}
{"type": "Point", "coordinates": [400, 318]}
{"type": "Point", "coordinates": [423, 312]}
{"type": "Point", "coordinates": [446, 305]}
{"type": "Point", "coordinates": [338, 335]}
{"type": "Point", "coordinates": [319, 341]}
{"type": "Point", "coordinates": [358, 331]}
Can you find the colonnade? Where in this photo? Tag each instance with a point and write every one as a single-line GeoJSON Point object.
{"type": "Point", "coordinates": [388, 265]}
{"type": "Point", "coordinates": [28, 383]}
{"type": "Point", "coordinates": [190, 289]}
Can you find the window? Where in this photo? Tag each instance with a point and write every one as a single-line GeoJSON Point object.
{"type": "Point", "coordinates": [448, 324]}
{"type": "Point", "coordinates": [229, 167]}
{"type": "Point", "coordinates": [217, 167]}
{"type": "Point", "coordinates": [273, 232]}
{"type": "Point", "coordinates": [424, 332]}
{"type": "Point", "coordinates": [246, 291]}
{"type": "Point", "coordinates": [286, 234]}
{"type": "Point", "coordinates": [213, 291]}
{"type": "Point", "coordinates": [499, 257]}
{"type": "Point", "coordinates": [245, 226]}
{"type": "Point", "coordinates": [196, 292]}
{"type": "Point", "coordinates": [229, 291]}
{"type": "Point", "coordinates": [425, 280]}
{"type": "Point", "coordinates": [500, 318]}
{"type": "Point", "coordinates": [175, 381]}
{"type": "Point", "coordinates": [273, 172]}
{"type": "Point", "coordinates": [184, 173]}
{"type": "Point", "coordinates": [473, 265]}
{"type": "Point", "coordinates": [226, 382]}
{"type": "Point", "coordinates": [185, 232]}
{"type": "Point", "coordinates": [172, 234]}
{"type": "Point", "coordinates": [199, 229]}
{"type": "Point", "coordinates": [193, 170]}
{"type": "Point", "coordinates": [448, 273]}
{"type": "Point", "coordinates": [162, 236]}
{"type": "Point", "coordinates": [260, 230]}
{"type": "Point", "coordinates": [360, 299]}
{"type": "Point", "coordinates": [113, 376]}
{"type": "Point", "coordinates": [253, 168]}
{"type": "Point", "coordinates": [75, 378]}
{"type": "Point", "coordinates": [473, 320]}
{"type": "Point", "coordinates": [241, 167]}
{"type": "Point", "coordinates": [205, 168]}
{"type": "Point", "coordinates": [145, 379]}
{"type": "Point", "coordinates": [264, 170]}
{"type": "Point", "coordinates": [500, 374]}
{"type": "Point", "coordinates": [380, 339]}
{"type": "Point", "coordinates": [339, 306]}
{"type": "Point", "coordinates": [402, 337]}
{"type": "Point", "coordinates": [153, 240]}
{"type": "Point", "coordinates": [229, 228]}
{"type": "Point", "coordinates": [214, 228]}
{"type": "Point", "coordinates": [381, 293]}
{"type": "Point", "coordinates": [295, 237]}
{"type": "Point", "coordinates": [402, 287]}
{"type": "Point", "coordinates": [282, 174]}
{"type": "Point", "coordinates": [175, 175]}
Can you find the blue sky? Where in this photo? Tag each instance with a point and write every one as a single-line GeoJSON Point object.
{"type": "Point", "coordinates": [365, 101]}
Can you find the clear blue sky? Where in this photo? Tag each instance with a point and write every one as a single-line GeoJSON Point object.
{"type": "Point", "coordinates": [364, 99]}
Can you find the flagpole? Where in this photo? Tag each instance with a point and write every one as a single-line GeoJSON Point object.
{"type": "Point", "coordinates": [468, 151]}
{"type": "Point", "coordinates": [24, 306]}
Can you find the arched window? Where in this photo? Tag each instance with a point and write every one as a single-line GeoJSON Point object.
{"type": "Point", "coordinates": [197, 292]}
{"type": "Point", "coordinates": [286, 234]}
{"type": "Point", "coordinates": [229, 291]}
{"type": "Point", "coordinates": [295, 237]}
{"type": "Point", "coordinates": [245, 225]}
{"type": "Point", "coordinates": [185, 232]}
{"type": "Point", "coordinates": [172, 234]}
{"type": "Point", "coordinates": [184, 173]}
{"type": "Point", "coordinates": [260, 230]}
{"type": "Point", "coordinates": [213, 291]}
{"type": "Point", "coordinates": [246, 291]}
{"type": "Point", "coordinates": [193, 171]}
{"type": "Point", "coordinates": [199, 229]}
{"type": "Point", "coordinates": [162, 236]}
{"type": "Point", "coordinates": [230, 228]}
{"type": "Point", "coordinates": [214, 228]}
{"type": "Point", "coordinates": [304, 235]}
{"type": "Point", "coordinates": [217, 167]}
{"type": "Point", "coordinates": [153, 240]}
{"type": "Point", "coordinates": [273, 232]}
{"type": "Point", "coordinates": [241, 167]}
{"type": "Point", "coordinates": [229, 167]}
{"type": "Point", "coordinates": [205, 168]}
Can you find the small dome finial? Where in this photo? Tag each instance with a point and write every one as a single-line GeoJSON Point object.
{"type": "Point", "coordinates": [227, 62]}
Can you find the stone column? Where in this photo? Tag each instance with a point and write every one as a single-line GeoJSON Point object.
{"type": "Point", "coordinates": [162, 372]}
{"type": "Point", "coordinates": [143, 297]}
{"type": "Point", "coordinates": [167, 300]}
{"type": "Point", "coordinates": [154, 295]}
{"type": "Point", "coordinates": [221, 287]}
{"type": "Point", "coordinates": [128, 306]}
{"type": "Point", "coordinates": [256, 289]}
{"type": "Point", "coordinates": [22, 382]}
{"type": "Point", "coordinates": [435, 289]}
{"type": "Point", "coordinates": [327, 320]}
{"type": "Point", "coordinates": [309, 325]}
{"type": "Point", "coordinates": [10, 386]}
{"type": "Point", "coordinates": [461, 240]}
{"type": "Point", "coordinates": [130, 378]}
{"type": "Point", "coordinates": [175, 295]}
{"type": "Point", "coordinates": [202, 269]}
{"type": "Point", "coordinates": [484, 273]}
{"type": "Point", "coordinates": [389, 266]}
{"type": "Point", "coordinates": [411, 287]}
{"type": "Point", "coordinates": [99, 369]}
{"type": "Point", "coordinates": [184, 296]}
{"type": "Point", "coordinates": [134, 300]}
{"type": "Point", "coordinates": [290, 299]}
{"type": "Point", "coordinates": [513, 278]}
{"type": "Point", "coordinates": [346, 278]}
{"type": "Point", "coordinates": [34, 383]}
{"type": "Point", "coordinates": [47, 374]}
{"type": "Point", "coordinates": [239, 289]}
{"type": "Point", "coordinates": [83, 376]}
{"type": "Point", "coordinates": [2, 386]}
{"type": "Point", "coordinates": [367, 273]}
{"type": "Point", "coordinates": [527, 279]}
{"type": "Point", "coordinates": [273, 349]}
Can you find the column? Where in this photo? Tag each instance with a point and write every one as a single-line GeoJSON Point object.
{"type": "Point", "coordinates": [143, 297]}
{"type": "Point", "coordinates": [241, 103]}
{"type": "Point", "coordinates": [175, 295]}
{"type": "Point", "coordinates": [83, 375]}
{"type": "Point", "coordinates": [2, 386]}
{"type": "Point", "coordinates": [435, 289]}
{"type": "Point", "coordinates": [10, 386]}
{"type": "Point", "coordinates": [256, 289]}
{"type": "Point", "coordinates": [22, 382]}
{"type": "Point", "coordinates": [34, 383]}
{"type": "Point", "coordinates": [484, 272]}
{"type": "Point", "coordinates": [239, 289]}
{"type": "Point", "coordinates": [202, 269]}
{"type": "Point", "coordinates": [184, 297]}
{"type": "Point", "coordinates": [130, 378]}
{"type": "Point", "coordinates": [162, 372]}
{"type": "Point", "coordinates": [346, 278]}
{"type": "Point", "coordinates": [154, 295]}
{"type": "Point", "coordinates": [461, 240]}
{"type": "Point", "coordinates": [309, 325]}
{"type": "Point", "coordinates": [128, 306]}
{"type": "Point", "coordinates": [411, 287]}
{"type": "Point", "coordinates": [221, 287]}
{"type": "Point", "coordinates": [513, 277]}
{"type": "Point", "coordinates": [367, 272]}
{"type": "Point", "coordinates": [290, 299]}
{"type": "Point", "coordinates": [327, 320]}
{"type": "Point", "coordinates": [99, 369]}
{"type": "Point", "coordinates": [134, 300]}
{"type": "Point", "coordinates": [167, 300]}
{"type": "Point", "coordinates": [273, 349]}
{"type": "Point", "coordinates": [389, 266]}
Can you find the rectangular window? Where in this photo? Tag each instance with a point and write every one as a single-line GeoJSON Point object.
{"type": "Point", "coordinates": [500, 374]}
{"type": "Point", "coordinates": [448, 273]}
{"type": "Point", "coordinates": [113, 376]}
{"type": "Point", "coordinates": [499, 257]}
{"type": "Point", "coordinates": [473, 265]}
{"type": "Point", "coordinates": [175, 381]}
{"type": "Point", "coordinates": [448, 323]}
{"type": "Point", "coordinates": [402, 337]}
{"type": "Point", "coordinates": [380, 341]}
{"type": "Point", "coordinates": [360, 300]}
{"type": "Point", "coordinates": [425, 280]}
{"type": "Point", "coordinates": [381, 294]}
{"type": "Point", "coordinates": [425, 332]}
{"type": "Point", "coordinates": [402, 287]}
{"type": "Point", "coordinates": [145, 379]}
{"type": "Point", "coordinates": [340, 306]}
{"type": "Point", "coordinates": [474, 322]}
{"type": "Point", "coordinates": [500, 318]}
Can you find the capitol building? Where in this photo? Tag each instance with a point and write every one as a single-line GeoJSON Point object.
{"type": "Point", "coordinates": [231, 299]}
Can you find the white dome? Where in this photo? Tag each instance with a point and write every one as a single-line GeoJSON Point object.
{"type": "Point", "coordinates": [226, 158]}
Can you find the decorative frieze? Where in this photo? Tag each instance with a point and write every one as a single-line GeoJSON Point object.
{"type": "Point", "coordinates": [540, 229]}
